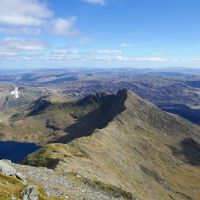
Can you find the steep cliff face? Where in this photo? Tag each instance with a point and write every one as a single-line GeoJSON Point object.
{"type": "Point", "coordinates": [132, 145]}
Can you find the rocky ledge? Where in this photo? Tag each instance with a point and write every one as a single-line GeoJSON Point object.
{"type": "Point", "coordinates": [42, 183]}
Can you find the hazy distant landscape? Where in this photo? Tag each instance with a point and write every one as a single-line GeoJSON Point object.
{"type": "Point", "coordinates": [83, 121]}
{"type": "Point", "coordinates": [174, 90]}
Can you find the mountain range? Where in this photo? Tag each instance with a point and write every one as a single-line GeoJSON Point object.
{"type": "Point", "coordinates": [131, 144]}
{"type": "Point", "coordinates": [119, 143]}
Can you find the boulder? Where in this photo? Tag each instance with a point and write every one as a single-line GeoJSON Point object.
{"type": "Point", "coordinates": [30, 193]}
{"type": "Point", "coordinates": [7, 169]}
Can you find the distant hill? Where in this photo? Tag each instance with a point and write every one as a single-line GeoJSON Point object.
{"type": "Point", "coordinates": [44, 118]}
{"type": "Point", "coordinates": [125, 141]}
{"type": "Point", "coordinates": [175, 87]}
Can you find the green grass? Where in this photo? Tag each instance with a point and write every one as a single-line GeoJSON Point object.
{"type": "Point", "coordinates": [11, 186]}
{"type": "Point", "coordinates": [107, 188]}
{"type": "Point", "coordinates": [49, 155]}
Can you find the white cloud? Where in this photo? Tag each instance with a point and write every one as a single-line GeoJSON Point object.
{"type": "Point", "coordinates": [85, 40]}
{"type": "Point", "coordinates": [101, 2]}
{"type": "Point", "coordinates": [23, 12]}
{"type": "Point", "coordinates": [64, 51]}
{"type": "Point", "coordinates": [8, 55]}
{"type": "Point", "coordinates": [151, 59]}
{"type": "Point", "coordinates": [100, 56]}
{"type": "Point", "coordinates": [20, 49]}
{"type": "Point", "coordinates": [31, 17]}
{"type": "Point", "coordinates": [109, 59]}
{"type": "Point", "coordinates": [120, 58]}
{"type": "Point", "coordinates": [20, 30]}
{"type": "Point", "coordinates": [114, 52]}
{"type": "Point", "coordinates": [12, 48]}
{"type": "Point", "coordinates": [63, 54]}
{"type": "Point", "coordinates": [13, 44]}
{"type": "Point", "coordinates": [125, 44]}
{"type": "Point", "coordinates": [64, 27]}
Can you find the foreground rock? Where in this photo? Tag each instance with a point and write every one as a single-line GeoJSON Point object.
{"type": "Point", "coordinates": [7, 169]}
{"type": "Point", "coordinates": [70, 186]}
{"type": "Point", "coordinates": [30, 193]}
{"type": "Point", "coordinates": [50, 185]}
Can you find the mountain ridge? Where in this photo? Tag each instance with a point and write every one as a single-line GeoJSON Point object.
{"type": "Point", "coordinates": [142, 150]}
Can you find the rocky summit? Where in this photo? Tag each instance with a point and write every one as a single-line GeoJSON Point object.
{"type": "Point", "coordinates": [35, 183]}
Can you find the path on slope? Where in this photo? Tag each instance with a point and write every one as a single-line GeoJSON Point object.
{"type": "Point", "coordinates": [60, 185]}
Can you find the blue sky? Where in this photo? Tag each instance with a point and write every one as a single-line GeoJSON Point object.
{"type": "Point", "coordinates": [99, 33]}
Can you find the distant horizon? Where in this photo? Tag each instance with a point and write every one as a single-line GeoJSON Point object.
{"type": "Point", "coordinates": [99, 68]}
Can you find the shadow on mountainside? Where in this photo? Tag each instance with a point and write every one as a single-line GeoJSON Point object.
{"type": "Point", "coordinates": [96, 119]}
{"type": "Point", "coordinates": [39, 106]}
{"type": "Point", "coordinates": [182, 110]}
{"type": "Point", "coordinates": [190, 149]}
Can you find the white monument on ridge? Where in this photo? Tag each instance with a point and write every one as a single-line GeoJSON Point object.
{"type": "Point", "coordinates": [15, 92]}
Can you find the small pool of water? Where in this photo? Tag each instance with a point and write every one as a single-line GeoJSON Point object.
{"type": "Point", "coordinates": [16, 151]}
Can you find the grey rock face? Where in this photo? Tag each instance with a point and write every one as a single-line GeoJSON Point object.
{"type": "Point", "coordinates": [20, 176]}
{"type": "Point", "coordinates": [30, 193]}
{"type": "Point", "coordinates": [7, 169]}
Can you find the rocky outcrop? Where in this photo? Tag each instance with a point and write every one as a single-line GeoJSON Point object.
{"type": "Point", "coordinates": [50, 185]}
{"type": "Point", "coordinates": [30, 193]}
{"type": "Point", "coordinates": [7, 169]}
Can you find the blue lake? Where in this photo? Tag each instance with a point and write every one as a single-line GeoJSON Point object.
{"type": "Point", "coordinates": [16, 151]}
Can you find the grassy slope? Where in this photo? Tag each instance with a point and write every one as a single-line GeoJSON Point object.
{"type": "Point", "coordinates": [30, 124]}
{"type": "Point", "coordinates": [134, 151]}
{"type": "Point", "coordinates": [11, 186]}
